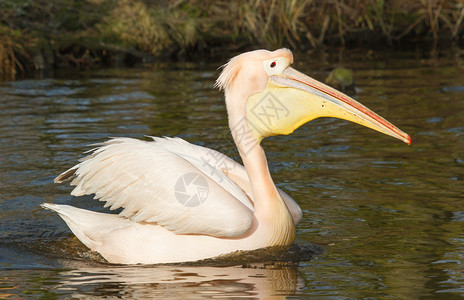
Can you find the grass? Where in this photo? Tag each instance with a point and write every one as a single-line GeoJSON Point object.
{"type": "Point", "coordinates": [9, 62]}
{"type": "Point", "coordinates": [37, 34]}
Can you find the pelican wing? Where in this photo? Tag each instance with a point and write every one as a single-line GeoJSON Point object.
{"type": "Point", "coordinates": [223, 165]}
{"type": "Point", "coordinates": [168, 181]}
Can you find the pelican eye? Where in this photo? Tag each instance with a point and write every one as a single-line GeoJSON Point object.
{"type": "Point", "coordinates": [273, 64]}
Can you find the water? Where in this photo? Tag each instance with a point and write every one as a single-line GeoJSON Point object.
{"type": "Point", "coordinates": [389, 216]}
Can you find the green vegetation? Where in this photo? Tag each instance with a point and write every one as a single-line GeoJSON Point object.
{"type": "Point", "coordinates": [38, 34]}
{"type": "Point", "coordinates": [341, 79]}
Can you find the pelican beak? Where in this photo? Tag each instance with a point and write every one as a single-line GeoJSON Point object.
{"type": "Point", "coordinates": [292, 99]}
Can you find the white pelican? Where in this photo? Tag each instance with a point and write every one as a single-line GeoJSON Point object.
{"type": "Point", "coordinates": [182, 202]}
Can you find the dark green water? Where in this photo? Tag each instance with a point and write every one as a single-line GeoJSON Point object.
{"type": "Point", "coordinates": [390, 216]}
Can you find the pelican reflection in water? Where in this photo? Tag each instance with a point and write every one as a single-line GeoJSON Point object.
{"type": "Point", "coordinates": [234, 207]}
{"type": "Point", "coordinates": [177, 282]}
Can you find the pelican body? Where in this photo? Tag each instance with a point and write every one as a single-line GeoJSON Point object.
{"type": "Point", "coordinates": [183, 202]}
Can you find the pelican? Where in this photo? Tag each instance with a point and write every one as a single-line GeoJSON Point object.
{"type": "Point", "coordinates": [183, 202]}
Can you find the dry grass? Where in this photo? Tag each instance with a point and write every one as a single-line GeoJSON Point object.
{"type": "Point", "coordinates": [132, 23]}
{"type": "Point", "coordinates": [71, 29]}
{"type": "Point", "coordinates": [9, 62]}
{"type": "Point", "coordinates": [180, 24]}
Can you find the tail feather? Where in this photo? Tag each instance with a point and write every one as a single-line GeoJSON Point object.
{"type": "Point", "coordinates": [88, 226]}
{"type": "Point", "coordinates": [66, 175]}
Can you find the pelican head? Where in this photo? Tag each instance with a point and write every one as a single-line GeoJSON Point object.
{"type": "Point", "coordinates": [277, 99]}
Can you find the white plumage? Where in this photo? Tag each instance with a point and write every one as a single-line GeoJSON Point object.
{"type": "Point", "coordinates": [138, 176]}
{"type": "Point", "coordinates": [182, 202]}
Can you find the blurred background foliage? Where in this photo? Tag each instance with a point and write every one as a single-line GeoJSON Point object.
{"type": "Point", "coordinates": [43, 34]}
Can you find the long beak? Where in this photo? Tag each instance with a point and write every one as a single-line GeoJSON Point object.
{"type": "Point", "coordinates": [339, 104]}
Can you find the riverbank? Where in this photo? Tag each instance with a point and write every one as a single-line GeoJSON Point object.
{"type": "Point", "coordinates": [40, 35]}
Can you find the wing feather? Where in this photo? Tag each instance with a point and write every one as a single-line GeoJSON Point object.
{"type": "Point", "coordinates": [143, 178]}
{"type": "Point", "coordinates": [232, 170]}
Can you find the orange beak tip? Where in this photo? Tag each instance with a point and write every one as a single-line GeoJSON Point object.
{"type": "Point", "coordinates": [409, 139]}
